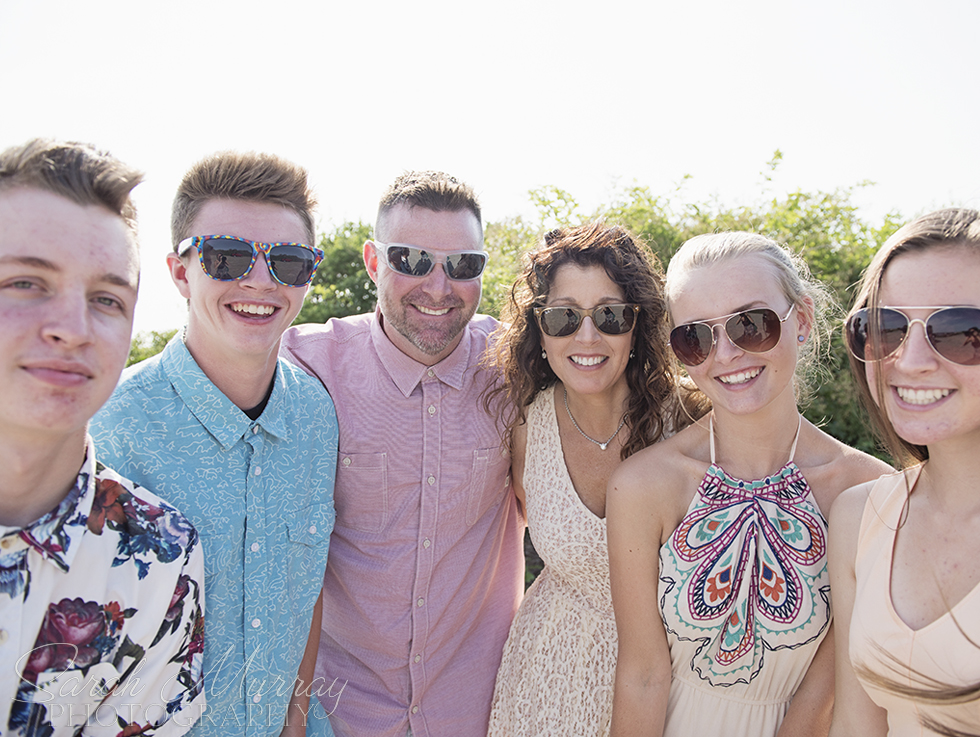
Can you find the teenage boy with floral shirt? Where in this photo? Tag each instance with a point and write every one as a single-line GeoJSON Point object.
{"type": "Point", "coordinates": [101, 625]}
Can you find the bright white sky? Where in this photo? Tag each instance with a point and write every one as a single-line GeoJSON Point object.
{"type": "Point", "coordinates": [508, 96]}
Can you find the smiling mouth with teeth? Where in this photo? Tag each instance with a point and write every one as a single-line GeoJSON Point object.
{"type": "Point", "coordinates": [920, 396]}
{"type": "Point", "coordinates": [429, 311]}
{"type": "Point", "coordinates": [741, 377]}
{"type": "Point", "coordinates": [261, 310]}
{"type": "Point", "coordinates": [588, 360]}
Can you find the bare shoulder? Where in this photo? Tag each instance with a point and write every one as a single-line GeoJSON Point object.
{"type": "Point", "coordinates": [845, 526]}
{"type": "Point", "coordinates": [830, 467]}
{"type": "Point", "coordinates": [850, 503]}
{"type": "Point", "coordinates": [661, 479]}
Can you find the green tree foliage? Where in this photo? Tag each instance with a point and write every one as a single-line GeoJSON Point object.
{"type": "Point", "coordinates": [148, 343]}
{"type": "Point", "coordinates": [505, 241]}
{"type": "Point", "coordinates": [824, 227]}
{"type": "Point", "coordinates": [341, 285]}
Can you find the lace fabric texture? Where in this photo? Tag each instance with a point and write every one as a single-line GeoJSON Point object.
{"type": "Point", "coordinates": [556, 675]}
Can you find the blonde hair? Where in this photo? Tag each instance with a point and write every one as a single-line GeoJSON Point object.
{"type": "Point", "coordinates": [804, 292]}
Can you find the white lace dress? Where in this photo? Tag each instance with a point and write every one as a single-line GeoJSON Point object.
{"type": "Point", "coordinates": [556, 675]}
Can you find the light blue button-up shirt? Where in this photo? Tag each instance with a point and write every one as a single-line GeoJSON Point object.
{"type": "Point", "coordinates": [261, 496]}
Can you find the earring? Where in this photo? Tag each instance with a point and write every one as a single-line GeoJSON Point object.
{"type": "Point", "coordinates": [544, 354]}
{"type": "Point", "coordinates": [801, 338]}
{"type": "Point", "coordinates": [632, 354]}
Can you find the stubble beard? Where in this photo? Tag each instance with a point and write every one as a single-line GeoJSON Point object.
{"type": "Point", "coordinates": [431, 341]}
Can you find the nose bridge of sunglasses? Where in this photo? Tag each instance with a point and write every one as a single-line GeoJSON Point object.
{"type": "Point", "coordinates": [914, 341]}
{"type": "Point", "coordinates": [593, 331]}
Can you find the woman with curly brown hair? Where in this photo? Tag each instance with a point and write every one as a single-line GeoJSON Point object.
{"type": "Point", "coordinates": [583, 353]}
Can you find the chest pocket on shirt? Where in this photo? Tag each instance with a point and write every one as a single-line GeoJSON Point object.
{"type": "Point", "coordinates": [361, 494]}
{"type": "Point", "coordinates": [309, 538]}
{"type": "Point", "coordinates": [485, 492]}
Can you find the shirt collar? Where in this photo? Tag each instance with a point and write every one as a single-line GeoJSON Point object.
{"type": "Point", "coordinates": [57, 534]}
{"type": "Point", "coordinates": [406, 372]}
{"type": "Point", "coordinates": [219, 415]}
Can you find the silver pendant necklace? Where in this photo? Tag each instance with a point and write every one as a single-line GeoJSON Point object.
{"type": "Point", "coordinates": [602, 446]}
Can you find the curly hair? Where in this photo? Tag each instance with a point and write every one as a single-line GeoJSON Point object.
{"type": "Point", "coordinates": [652, 410]}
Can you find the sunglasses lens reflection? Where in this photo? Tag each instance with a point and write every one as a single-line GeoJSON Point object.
{"type": "Point", "coordinates": [557, 322]}
{"type": "Point", "coordinates": [292, 265]}
{"type": "Point", "coordinates": [755, 331]}
{"type": "Point", "coordinates": [464, 266]}
{"type": "Point", "coordinates": [955, 334]}
{"type": "Point", "coordinates": [691, 343]}
{"type": "Point", "coordinates": [226, 259]}
{"type": "Point", "coordinates": [416, 262]}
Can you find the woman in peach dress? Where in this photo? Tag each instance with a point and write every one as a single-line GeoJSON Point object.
{"type": "Point", "coordinates": [905, 550]}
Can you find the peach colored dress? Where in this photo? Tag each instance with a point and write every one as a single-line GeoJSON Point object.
{"type": "Point", "coordinates": [940, 650]}
{"type": "Point", "coordinates": [556, 674]}
{"type": "Point", "coordinates": [745, 599]}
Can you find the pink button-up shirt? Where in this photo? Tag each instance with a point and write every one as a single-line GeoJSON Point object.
{"type": "Point", "coordinates": [426, 559]}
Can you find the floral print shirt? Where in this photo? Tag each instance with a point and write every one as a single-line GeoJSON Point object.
{"type": "Point", "coordinates": [260, 492]}
{"type": "Point", "coordinates": [101, 615]}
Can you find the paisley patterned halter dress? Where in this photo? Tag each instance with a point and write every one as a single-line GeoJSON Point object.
{"type": "Point", "coordinates": [745, 599]}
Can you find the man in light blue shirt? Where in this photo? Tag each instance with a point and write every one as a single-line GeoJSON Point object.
{"type": "Point", "coordinates": [244, 443]}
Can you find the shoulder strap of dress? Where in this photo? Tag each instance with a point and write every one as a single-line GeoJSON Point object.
{"type": "Point", "coordinates": [792, 451]}
{"type": "Point", "coordinates": [711, 436]}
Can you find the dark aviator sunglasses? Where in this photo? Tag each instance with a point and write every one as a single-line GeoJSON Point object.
{"type": "Point", "coordinates": [953, 333]}
{"type": "Point", "coordinates": [753, 331]}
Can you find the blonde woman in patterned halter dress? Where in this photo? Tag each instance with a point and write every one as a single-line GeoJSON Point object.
{"type": "Point", "coordinates": [905, 561]}
{"type": "Point", "coordinates": [584, 357]}
{"type": "Point", "coordinates": [717, 536]}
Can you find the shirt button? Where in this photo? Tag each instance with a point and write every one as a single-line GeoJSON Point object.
{"type": "Point", "coordinates": [255, 429]}
{"type": "Point", "coordinates": [431, 480]}
{"type": "Point", "coordinates": [256, 623]}
{"type": "Point", "coordinates": [312, 529]}
{"type": "Point", "coordinates": [257, 698]}
{"type": "Point", "coordinates": [420, 602]}
{"type": "Point", "coordinates": [432, 410]}
{"type": "Point", "coordinates": [418, 658]}
{"type": "Point", "coordinates": [346, 461]}
{"type": "Point", "coordinates": [430, 373]}
{"type": "Point", "coordinates": [6, 543]}
{"type": "Point", "coordinates": [257, 471]}
{"type": "Point", "coordinates": [415, 709]}
{"type": "Point", "coordinates": [426, 543]}
{"type": "Point", "coordinates": [255, 547]}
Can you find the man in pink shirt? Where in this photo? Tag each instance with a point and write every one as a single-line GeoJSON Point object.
{"type": "Point", "coordinates": [426, 566]}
